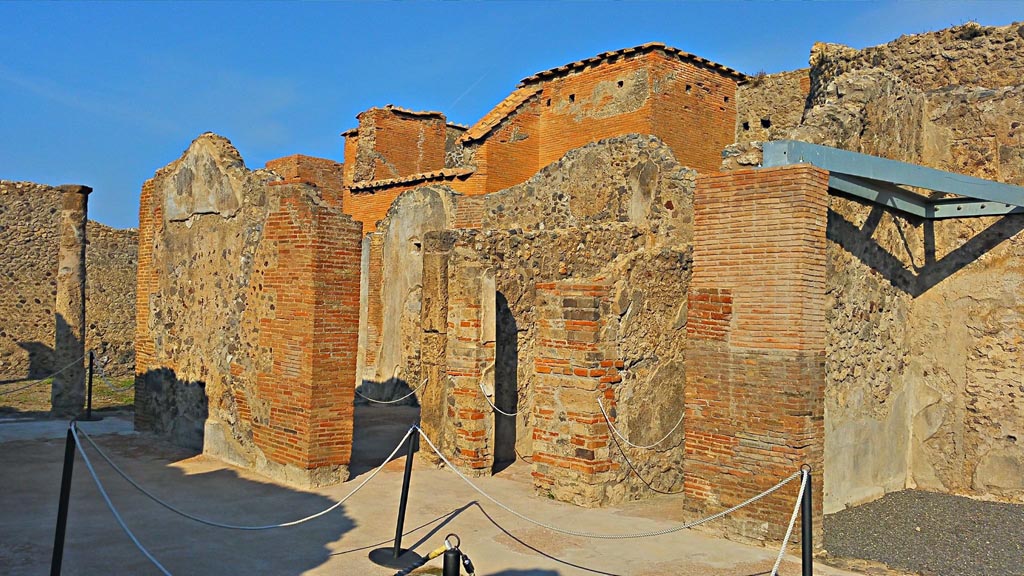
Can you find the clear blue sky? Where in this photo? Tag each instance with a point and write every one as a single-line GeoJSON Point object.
{"type": "Point", "coordinates": [106, 93]}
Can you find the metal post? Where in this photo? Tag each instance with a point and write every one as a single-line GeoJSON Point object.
{"type": "Point", "coordinates": [413, 445]}
{"type": "Point", "coordinates": [62, 508]}
{"type": "Point", "coordinates": [88, 400]}
{"type": "Point", "coordinates": [396, 557]}
{"type": "Point", "coordinates": [452, 562]}
{"type": "Point", "coordinates": [807, 533]}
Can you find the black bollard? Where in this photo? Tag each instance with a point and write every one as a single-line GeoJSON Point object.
{"type": "Point", "coordinates": [396, 557]}
{"type": "Point", "coordinates": [452, 562]}
{"type": "Point", "coordinates": [62, 507]}
{"type": "Point", "coordinates": [806, 528]}
{"type": "Point", "coordinates": [88, 401]}
{"type": "Point", "coordinates": [413, 445]}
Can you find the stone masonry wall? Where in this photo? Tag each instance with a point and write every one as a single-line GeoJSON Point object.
{"type": "Point", "coordinates": [925, 343]}
{"type": "Point", "coordinates": [247, 316]}
{"type": "Point", "coordinates": [29, 220]}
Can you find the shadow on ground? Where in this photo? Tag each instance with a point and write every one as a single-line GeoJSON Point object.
{"type": "Point", "coordinates": [30, 474]}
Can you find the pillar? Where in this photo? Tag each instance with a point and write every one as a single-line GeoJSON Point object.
{"type": "Point", "coordinates": [67, 394]}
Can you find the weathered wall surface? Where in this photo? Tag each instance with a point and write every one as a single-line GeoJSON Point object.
{"type": "Point", "coordinates": [29, 222]}
{"type": "Point", "coordinates": [620, 208]}
{"type": "Point", "coordinates": [769, 105]}
{"type": "Point", "coordinates": [247, 315]}
{"type": "Point", "coordinates": [926, 322]}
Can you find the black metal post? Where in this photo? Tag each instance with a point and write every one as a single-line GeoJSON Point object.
{"type": "Point", "coordinates": [413, 445]}
{"type": "Point", "coordinates": [806, 527]}
{"type": "Point", "coordinates": [452, 562]}
{"type": "Point", "coordinates": [396, 556]}
{"type": "Point", "coordinates": [62, 508]}
{"type": "Point", "coordinates": [88, 405]}
{"type": "Point", "coordinates": [88, 402]}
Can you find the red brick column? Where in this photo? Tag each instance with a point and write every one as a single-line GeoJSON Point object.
{"type": "Point", "coordinates": [469, 354]}
{"type": "Point", "coordinates": [574, 364]}
{"type": "Point", "coordinates": [313, 335]}
{"type": "Point", "coordinates": [755, 343]}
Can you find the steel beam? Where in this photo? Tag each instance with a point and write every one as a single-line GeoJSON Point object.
{"type": "Point", "coordinates": [880, 193]}
{"type": "Point", "coordinates": [786, 152]}
{"type": "Point", "coordinates": [967, 207]}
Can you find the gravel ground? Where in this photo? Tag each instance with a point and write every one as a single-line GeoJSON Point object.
{"type": "Point", "coordinates": [932, 534]}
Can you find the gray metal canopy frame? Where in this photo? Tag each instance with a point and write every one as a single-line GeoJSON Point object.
{"type": "Point", "coordinates": [879, 180]}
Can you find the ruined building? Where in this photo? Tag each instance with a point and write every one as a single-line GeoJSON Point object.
{"type": "Point", "coordinates": [614, 244]}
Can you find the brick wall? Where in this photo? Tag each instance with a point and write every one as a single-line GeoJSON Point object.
{"type": "Point", "coordinates": [327, 175]}
{"type": "Point", "coordinates": [575, 362]}
{"type": "Point", "coordinates": [313, 335]}
{"type": "Point", "coordinates": [393, 142]}
{"type": "Point", "coordinates": [755, 342]}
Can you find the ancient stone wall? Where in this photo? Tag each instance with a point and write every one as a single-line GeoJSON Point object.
{"type": "Point", "coordinates": [29, 228]}
{"type": "Point", "coordinates": [769, 105]}
{"type": "Point", "coordinates": [925, 319]}
{"type": "Point", "coordinates": [247, 315]}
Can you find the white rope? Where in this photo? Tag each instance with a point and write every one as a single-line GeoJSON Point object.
{"type": "Point", "coordinates": [110, 505]}
{"type": "Point", "coordinates": [792, 521]}
{"type": "Point", "coordinates": [581, 534]}
{"type": "Point", "coordinates": [422, 384]}
{"type": "Point", "coordinates": [626, 441]}
{"type": "Point", "coordinates": [112, 387]}
{"type": "Point", "coordinates": [41, 380]}
{"type": "Point", "coordinates": [234, 526]}
{"type": "Point", "coordinates": [495, 408]}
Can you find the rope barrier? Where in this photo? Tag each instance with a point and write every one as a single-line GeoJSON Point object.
{"type": "Point", "coordinates": [110, 386]}
{"type": "Point", "coordinates": [215, 524]}
{"type": "Point", "coordinates": [368, 399]}
{"type": "Point", "coordinates": [594, 535]}
{"type": "Point", "coordinates": [110, 505]}
{"type": "Point", "coordinates": [637, 472]}
{"type": "Point", "coordinates": [495, 408]}
{"type": "Point", "coordinates": [26, 387]}
{"type": "Point", "coordinates": [624, 439]}
{"type": "Point", "coordinates": [792, 521]}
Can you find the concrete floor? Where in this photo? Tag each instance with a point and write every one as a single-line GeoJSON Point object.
{"type": "Point", "coordinates": [337, 543]}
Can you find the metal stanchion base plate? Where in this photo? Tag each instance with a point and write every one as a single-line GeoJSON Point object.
{"type": "Point", "coordinates": [386, 557]}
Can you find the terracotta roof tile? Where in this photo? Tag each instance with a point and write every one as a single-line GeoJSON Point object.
{"type": "Point", "coordinates": [649, 47]}
{"type": "Point", "coordinates": [443, 174]}
{"type": "Point", "coordinates": [393, 108]}
{"type": "Point", "coordinates": [507, 106]}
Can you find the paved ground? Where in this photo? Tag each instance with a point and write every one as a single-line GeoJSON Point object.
{"type": "Point", "coordinates": [337, 543]}
{"type": "Point", "coordinates": [932, 534]}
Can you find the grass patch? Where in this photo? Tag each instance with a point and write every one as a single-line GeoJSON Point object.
{"type": "Point", "coordinates": [37, 397]}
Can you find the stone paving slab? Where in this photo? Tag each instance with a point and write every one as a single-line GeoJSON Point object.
{"type": "Point", "coordinates": [337, 543]}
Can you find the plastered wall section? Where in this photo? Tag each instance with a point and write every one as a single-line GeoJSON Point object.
{"type": "Point", "coordinates": [755, 373]}
{"type": "Point", "coordinates": [29, 230]}
{"type": "Point", "coordinates": [247, 316]}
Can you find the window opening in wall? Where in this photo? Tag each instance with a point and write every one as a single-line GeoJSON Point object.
{"type": "Point", "coordinates": [620, 83]}
{"type": "Point", "coordinates": [548, 103]}
{"type": "Point", "coordinates": [688, 88]}
{"type": "Point", "coordinates": [766, 123]}
{"type": "Point", "coordinates": [572, 97]}
{"type": "Point", "coordinates": [726, 98]}
{"type": "Point", "coordinates": [746, 126]}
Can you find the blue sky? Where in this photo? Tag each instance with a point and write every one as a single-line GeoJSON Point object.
{"type": "Point", "coordinates": [106, 93]}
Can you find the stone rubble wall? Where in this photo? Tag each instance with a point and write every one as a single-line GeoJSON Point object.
{"type": "Point", "coordinates": [247, 316]}
{"type": "Point", "coordinates": [29, 222]}
{"type": "Point", "coordinates": [925, 318]}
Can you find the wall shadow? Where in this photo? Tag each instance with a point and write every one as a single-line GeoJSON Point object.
{"type": "Point", "coordinates": [95, 545]}
{"type": "Point", "coordinates": [921, 276]}
{"type": "Point", "coordinates": [40, 360]}
{"type": "Point", "coordinates": [376, 430]}
{"type": "Point", "coordinates": [385, 391]}
{"type": "Point", "coordinates": [506, 375]}
{"type": "Point", "coordinates": [171, 408]}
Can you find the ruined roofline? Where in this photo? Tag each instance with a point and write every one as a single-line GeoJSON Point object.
{"type": "Point", "coordinates": [398, 110]}
{"type": "Point", "coordinates": [606, 57]}
{"type": "Point", "coordinates": [503, 110]}
{"type": "Point", "coordinates": [443, 174]}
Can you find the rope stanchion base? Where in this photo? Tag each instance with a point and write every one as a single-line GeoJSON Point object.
{"type": "Point", "coordinates": [386, 557]}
